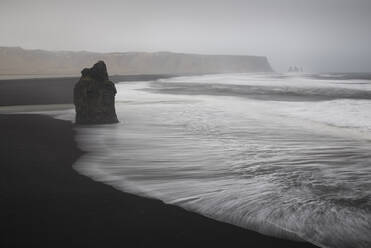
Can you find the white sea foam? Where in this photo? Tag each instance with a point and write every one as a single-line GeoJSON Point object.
{"type": "Point", "coordinates": [293, 169]}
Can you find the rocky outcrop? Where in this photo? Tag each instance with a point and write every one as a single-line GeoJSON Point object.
{"type": "Point", "coordinates": [94, 96]}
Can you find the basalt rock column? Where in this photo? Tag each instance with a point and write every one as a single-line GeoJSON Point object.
{"type": "Point", "coordinates": [94, 96]}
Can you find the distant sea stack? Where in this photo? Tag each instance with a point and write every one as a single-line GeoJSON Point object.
{"type": "Point", "coordinates": [94, 96]}
{"type": "Point", "coordinates": [295, 69]}
{"type": "Point", "coordinates": [18, 61]}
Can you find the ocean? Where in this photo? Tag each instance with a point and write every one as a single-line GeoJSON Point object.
{"type": "Point", "coordinates": [284, 155]}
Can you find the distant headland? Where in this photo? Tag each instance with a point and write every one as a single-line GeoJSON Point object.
{"type": "Point", "coordinates": [19, 61]}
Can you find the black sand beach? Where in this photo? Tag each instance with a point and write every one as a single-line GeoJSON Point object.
{"type": "Point", "coordinates": [59, 90]}
{"type": "Point", "coordinates": [45, 203]}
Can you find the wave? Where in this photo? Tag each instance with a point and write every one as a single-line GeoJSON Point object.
{"type": "Point", "coordinates": [273, 93]}
{"type": "Point", "coordinates": [335, 103]}
{"type": "Point", "coordinates": [291, 169]}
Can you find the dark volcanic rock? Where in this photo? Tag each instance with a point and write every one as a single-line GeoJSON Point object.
{"type": "Point", "coordinates": [94, 96]}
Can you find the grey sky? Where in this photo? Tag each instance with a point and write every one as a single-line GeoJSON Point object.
{"type": "Point", "coordinates": [320, 35]}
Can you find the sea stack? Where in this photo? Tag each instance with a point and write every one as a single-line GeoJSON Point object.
{"type": "Point", "coordinates": [94, 96]}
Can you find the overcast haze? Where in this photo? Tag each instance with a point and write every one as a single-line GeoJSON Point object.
{"type": "Point", "coordinates": [327, 35]}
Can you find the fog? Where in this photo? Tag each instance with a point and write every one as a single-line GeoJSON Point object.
{"type": "Point", "coordinates": [320, 35]}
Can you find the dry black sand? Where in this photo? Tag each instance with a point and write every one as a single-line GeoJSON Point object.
{"type": "Point", "coordinates": [45, 203]}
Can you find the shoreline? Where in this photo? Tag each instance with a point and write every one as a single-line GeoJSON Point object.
{"type": "Point", "coordinates": [49, 204]}
{"type": "Point", "coordinates": [45, 202]}
{"type": "Point", "coordinates": [52, 90]}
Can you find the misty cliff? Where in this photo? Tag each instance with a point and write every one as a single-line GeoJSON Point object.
{"type": "Point", "coordinates": [18, 61]}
